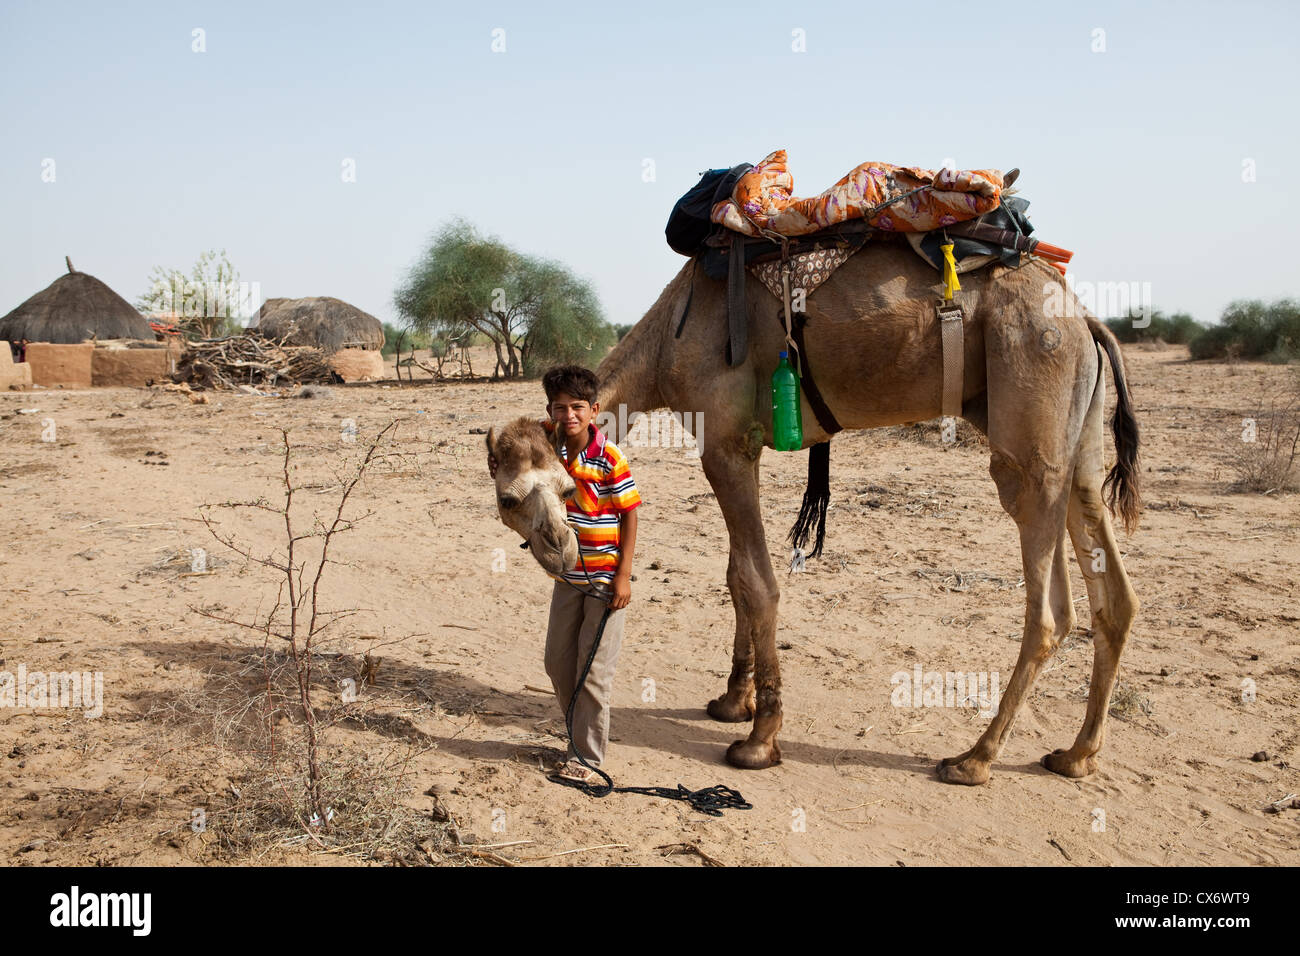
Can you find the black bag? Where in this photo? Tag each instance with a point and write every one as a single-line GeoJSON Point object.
{"type": "Point", "coordinates": [689, 224]}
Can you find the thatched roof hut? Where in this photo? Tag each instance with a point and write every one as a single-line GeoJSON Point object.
{"type": "Point", "coordinates": [320, 321]}
{"type": "Point", "coordinates": [73, 308]}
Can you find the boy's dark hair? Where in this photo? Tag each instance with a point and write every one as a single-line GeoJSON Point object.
{"type": "Point", "coordinates": [572, 380]}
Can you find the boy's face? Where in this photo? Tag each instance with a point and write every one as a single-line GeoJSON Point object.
{"type": "Point", "coordinates": [573, 415]}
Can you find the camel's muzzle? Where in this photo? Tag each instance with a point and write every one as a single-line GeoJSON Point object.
{"type": "Point", "coordinates": [556, 550]}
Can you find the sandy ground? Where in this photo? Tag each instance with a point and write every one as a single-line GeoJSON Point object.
{"type": "Point", "coordinates": [922, 568]}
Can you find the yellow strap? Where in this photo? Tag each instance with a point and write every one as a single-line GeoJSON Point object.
{"type": "Point", "coordinates": [950, 283]}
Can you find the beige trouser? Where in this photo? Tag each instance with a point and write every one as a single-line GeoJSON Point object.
{"type": "Point", "coordinates": [569, 636]}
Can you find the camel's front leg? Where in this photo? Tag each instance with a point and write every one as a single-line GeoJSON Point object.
{"type": "Point", "coordinates": [754, 687]}
{"type": "Point", "coordinates": [737, 704]}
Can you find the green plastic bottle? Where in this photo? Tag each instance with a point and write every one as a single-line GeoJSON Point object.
{"type": "Point", "coordinates": [787, 420]}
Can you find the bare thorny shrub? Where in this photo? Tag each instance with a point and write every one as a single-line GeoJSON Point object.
{"type": "Point", "coordinates": [276, 707]}
{"type": "Point", "coordinates": [1264, 456]}
{"type": "Point", "coordinates": [959, 434]}
{"type": "Point", "coordinates": [251, 712]}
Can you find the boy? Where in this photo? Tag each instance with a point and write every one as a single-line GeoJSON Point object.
{"type": "Point", "coordinates": [602, 512]}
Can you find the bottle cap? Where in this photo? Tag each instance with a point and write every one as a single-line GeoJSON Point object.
{"type": "Point", "coordinates": [784, 354]}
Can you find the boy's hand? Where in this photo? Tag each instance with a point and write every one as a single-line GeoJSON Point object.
{"type": "Point", "coordinates": [622, 590]}
{"type": "Point", "coordinates": [492, 465]}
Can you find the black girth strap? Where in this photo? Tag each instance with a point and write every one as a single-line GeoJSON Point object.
{"type": "Point", "coordinates": [817, 496]}
{"type": "Point", "coordinates": [825, 417]}
{"type": "Point", "coordinates": [737, 320]}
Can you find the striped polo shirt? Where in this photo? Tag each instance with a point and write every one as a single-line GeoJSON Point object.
{"type": "Point", "coordinates": [605, 492]}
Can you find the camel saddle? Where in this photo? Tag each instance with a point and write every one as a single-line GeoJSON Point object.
{"type": "Point", "coordinates": [745, 218]}
{"type": "Point", "coordinates": [810, 259]}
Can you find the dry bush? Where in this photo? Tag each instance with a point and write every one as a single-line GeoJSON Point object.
{"type": "Point", "coordinates": [246, 719]}
{"type": "Point", "coordinates": [275, 713]}
{"type": "Point", "coordinates": [1126, 701]}
{"type": "Point", "coordinates": [1264, 455]}
{"type": "Point", "coordinates": [931, 433]}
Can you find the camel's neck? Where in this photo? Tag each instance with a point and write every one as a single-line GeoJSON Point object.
{"type": "Point", "coordinates": [627, 377]}
{"type": "Point", "coordinates": [629, 374]}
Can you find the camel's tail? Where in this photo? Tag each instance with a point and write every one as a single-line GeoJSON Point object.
{"type": "Point", "coordinates": [1121, 487]}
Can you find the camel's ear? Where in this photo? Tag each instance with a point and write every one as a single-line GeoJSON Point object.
{"type": "Point", "coordinates": [491, 441]}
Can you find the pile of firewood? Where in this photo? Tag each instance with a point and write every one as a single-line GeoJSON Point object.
{"type": "Point", "coordinates": [251, 359]}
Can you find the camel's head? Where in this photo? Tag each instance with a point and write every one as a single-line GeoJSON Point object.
{"type": "Point", "coordinates": [532, 486]}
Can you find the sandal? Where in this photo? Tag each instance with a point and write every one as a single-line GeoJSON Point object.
{"type": "Point", "coordinates": [575, 771]}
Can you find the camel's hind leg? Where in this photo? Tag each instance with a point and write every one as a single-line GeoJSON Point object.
{"type": "Point", "coordinates": [1039, 508]}
{"type": "Point", "coordinates": [1036, 413]}
{"type": "Point", "coordinates": [1110, 595]}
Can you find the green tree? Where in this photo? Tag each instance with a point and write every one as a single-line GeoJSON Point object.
{"type": "Point", "coordinates": [404, 336]}
{"type": "Point", "coordinates": [566, 326]}
{"type": "Point", "coordinates": [1253, 329]}
{"type": "Point", "coordinates": [208, 303]}
{"type": "Point", "coordinates": [533, 311]}
{"type": "Point", "coordinates": [1177, 329]}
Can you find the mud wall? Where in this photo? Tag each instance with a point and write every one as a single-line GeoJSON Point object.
{"type": "Point", "coordinates": [13, 374]}
{"type": "Point", "coordinates": [130, 367]}
{"type": "Point", "coordinates": [358, 365]}
{"type": "Point", "coordinates": [60, 366]}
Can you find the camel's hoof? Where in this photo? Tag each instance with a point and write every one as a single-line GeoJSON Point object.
{"type": "Point", "coordinates": [1060, 761]}
{"type": "Point", "coordinates": [753, 755]}
{"type": "Point", "coordinates": [728, 712]}
{"type": "Point", "coordinates": [964, 770]}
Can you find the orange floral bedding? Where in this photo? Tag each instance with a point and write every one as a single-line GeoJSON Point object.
{"type": "Point", "coordinates": [891, 198]}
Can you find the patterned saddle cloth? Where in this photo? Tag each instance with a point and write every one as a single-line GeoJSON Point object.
{"type": "Point", "coordinates": [811, 268]}
{"type": "Point", "coordinates": [808, 270]}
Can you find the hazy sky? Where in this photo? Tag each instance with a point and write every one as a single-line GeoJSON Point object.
{"type": "Point", "coordinates": [1136, 156]}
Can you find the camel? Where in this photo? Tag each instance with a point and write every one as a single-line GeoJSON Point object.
{"type": "Point", "coordinates": [1033, 385]}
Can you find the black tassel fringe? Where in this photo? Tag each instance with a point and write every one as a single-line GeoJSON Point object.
{"type": "Point", "coordinates": [816, 498]}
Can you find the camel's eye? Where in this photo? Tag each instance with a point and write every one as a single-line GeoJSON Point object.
{"type": "Point", "coordinates": [508, 502]}
{"type": "Point", "coordinates": [568, 492]}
